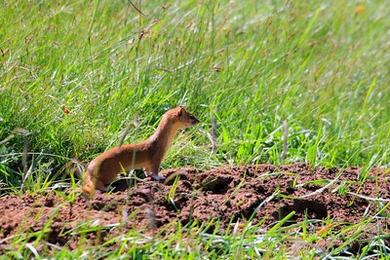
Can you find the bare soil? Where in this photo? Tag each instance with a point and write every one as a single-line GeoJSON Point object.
{"type": "Point", "coordinates": [263, 193]}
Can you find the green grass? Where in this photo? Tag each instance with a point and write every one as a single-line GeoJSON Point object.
{"type": "Point", "coordinates": [196, 241]}
{"type": "Point", "coordinates": [250, 64]}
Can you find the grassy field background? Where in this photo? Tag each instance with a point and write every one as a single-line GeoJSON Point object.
{"type": "Point", "coordinates": [75, 74]}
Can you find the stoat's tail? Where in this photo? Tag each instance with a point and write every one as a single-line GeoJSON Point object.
{"type": "Point", "coordinates": [74, 166]}
{"type": "Point", "coordinates": [88, 187]}
{"type": "Point", "coordinates": [78, 168]}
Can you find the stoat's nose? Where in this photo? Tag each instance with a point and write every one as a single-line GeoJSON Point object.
{"type": "Point", "coordinates": [194, 120]}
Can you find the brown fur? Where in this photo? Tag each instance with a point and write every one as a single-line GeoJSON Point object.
{"type": "Point", "coordinates": [147, 154]}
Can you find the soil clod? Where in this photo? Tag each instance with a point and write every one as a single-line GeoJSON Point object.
{"type": "Point", "coordinates": [225, 194]}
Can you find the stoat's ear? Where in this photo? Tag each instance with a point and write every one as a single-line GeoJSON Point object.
{"type": "Point", "coordinates": [181, 110]}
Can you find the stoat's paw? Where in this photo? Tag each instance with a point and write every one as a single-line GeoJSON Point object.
{"type": "Point", "coordinates": [158, 178]}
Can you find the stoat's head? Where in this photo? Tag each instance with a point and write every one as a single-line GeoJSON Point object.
{"type": "Point", "coordinates": [182, 118]}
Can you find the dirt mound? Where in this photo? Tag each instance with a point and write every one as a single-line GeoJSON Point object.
{"type": "Point", "coordinates": [263, 193]}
